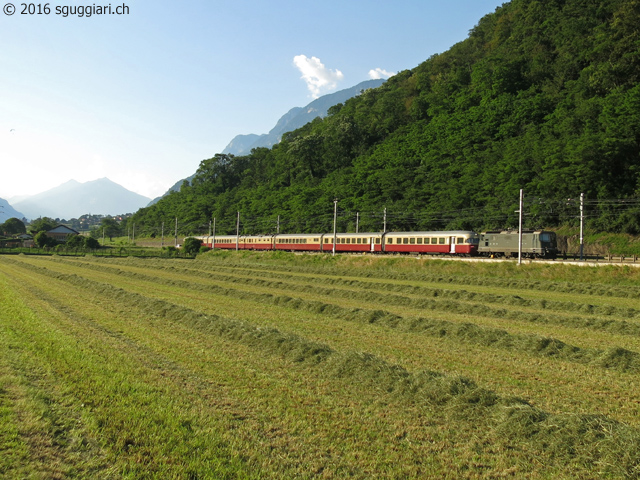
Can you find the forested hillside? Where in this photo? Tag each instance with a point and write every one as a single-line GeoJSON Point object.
{"type": "Point", "coordinates": [542, 95]}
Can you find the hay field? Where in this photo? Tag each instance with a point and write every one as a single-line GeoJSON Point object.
{"type": "Point", "coordinates": [282, 366]}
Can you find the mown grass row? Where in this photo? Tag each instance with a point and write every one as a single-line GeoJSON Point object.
{"type": "Point", "coordinates": [509, 371]}
{"type": "Point", "coordinates": [595, 442]}
{"type": "Point", "coordinates": [451, 292]}
{"type": "Point", "coordinates": [614, 281]}
{"type": "Point", "coordinates": [457, 294]}
{"type": "Point", "coordinates": [609, 325]}
{"type": "Point", "coordinates": [615, 358]}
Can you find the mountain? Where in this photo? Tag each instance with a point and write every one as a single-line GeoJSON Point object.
{"type": "Point", "coordinates": [296, 118]}
{"type": "Point", "coordinates": [292, 120]}
{"type": "Point", "coordinates": [542, 96]}
{"type": "Point", "coordinates": [74, 199]}
{"type": "Point", "coordinates": [7, 211]}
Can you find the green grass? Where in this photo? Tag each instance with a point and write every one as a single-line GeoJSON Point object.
{"type": "Point", "coordinates": [281, 366]}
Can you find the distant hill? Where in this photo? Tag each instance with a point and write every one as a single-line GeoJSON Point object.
{"type": "Point", "coordinates": [542, 96]}
{"type": "Point", "coordinates": [296, 118]}
{"type": "Point", "coordinates": [290, 121]}
{"type": "Point", "coordinates": [73, 199]}
{"type": "Point", "coordinates": [7, 211]}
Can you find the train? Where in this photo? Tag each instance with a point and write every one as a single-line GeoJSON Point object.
{"type": "Point", "coordinates": [535, 243]}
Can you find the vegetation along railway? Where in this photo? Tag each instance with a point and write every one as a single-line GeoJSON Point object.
{"type": "Point", "coordinates": [535, 244]}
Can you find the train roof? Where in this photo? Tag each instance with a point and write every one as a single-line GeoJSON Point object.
{"type": "Point", "coordinates": [512, 232]}
{"type": "Point", "coordinates": [436, 233]}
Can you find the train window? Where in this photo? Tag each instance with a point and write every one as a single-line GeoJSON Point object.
{"type": "Point", "coordinates": [377, 241]}
{"type": "Point", "coordinates": [545, 237]}
{"type": "Point", "coordinates": [459, 240]}
{"type": "Point", "coordinates": [358, 240]}
{"type": "Point", "coordinates": [419, 241]}
{"type": "Point", "coordinates": [390, 241]}
{"type": "Point", "coordinates": [412, 241]}
{"type": "Point", "coordinates": [441, 240]}
{"type": "Point", "coordinates": [405, 240]}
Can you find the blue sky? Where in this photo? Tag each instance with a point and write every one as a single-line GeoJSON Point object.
{"type": "Point", "coordinates": [142, 98]}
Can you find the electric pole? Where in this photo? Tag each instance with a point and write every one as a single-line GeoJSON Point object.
{"type": "Point", "coordinates": [335, 215]}
{"type": "Point", "coordinates": [581, 226]}
{"type": "Point", "coordinates": [238, 233]}
{"type": "Point", "coordinates": [520, 231]}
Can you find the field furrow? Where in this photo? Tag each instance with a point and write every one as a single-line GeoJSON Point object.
{"type": "Point", "coordinates": [168, 368]}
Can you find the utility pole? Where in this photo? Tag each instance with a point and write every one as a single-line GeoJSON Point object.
{"type": "Point", "coordinates": [335, 212]}
{"type": "Point", "coordinates": [278, 226]}
{"type": "Point", "coordinates": [357, 220]}
{"type": "Point", "coordinates": [581, 226]}
{"type": "Point", "coordinates": [520, 231]}
{"type": "Point", "coordinates": [162, 235]}
{"type": "Point", "coordinates": [384, 228]}
{"type": "Point", "coordinates": [238, 233]}
{"type": "Point", "coordinates": [213, 239]}
{"type": "Point", "coordinates": [176, 233]}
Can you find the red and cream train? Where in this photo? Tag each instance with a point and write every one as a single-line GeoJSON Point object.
{"type": "Point", "coordinates": [452, 242]}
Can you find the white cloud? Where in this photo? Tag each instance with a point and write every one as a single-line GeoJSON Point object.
{"type": "Point", "coordinates": [380, 73]}
{"type": "Point", "coordinates": [319, 78]}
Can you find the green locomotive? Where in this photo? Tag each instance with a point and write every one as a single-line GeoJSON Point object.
{"type": "Point", "coordinates": [535, 244]}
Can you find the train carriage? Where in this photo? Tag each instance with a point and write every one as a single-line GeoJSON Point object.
{"type": "Point", "coordinates": [353, 242]}
{"type": "Point", "coordinates": [461, 242]}
{"type": "Point", "coordinates": [303, 242]}
{"type": "Point", "coordinates": [224, 242]}
{"type": "Point", "coordinates": [256, 242]}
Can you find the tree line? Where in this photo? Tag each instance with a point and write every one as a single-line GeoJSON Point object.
{"type": "Point", "coordinates": [542, 95]}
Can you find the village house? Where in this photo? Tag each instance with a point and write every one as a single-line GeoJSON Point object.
{"type": "Point", "coordinates": [61, 233]}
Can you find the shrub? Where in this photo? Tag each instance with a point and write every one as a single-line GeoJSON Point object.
{"type": "Point", "coordinates": [191, 245]}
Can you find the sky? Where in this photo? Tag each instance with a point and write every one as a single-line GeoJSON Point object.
{"type": "Point", "coordinates": [144, 94]}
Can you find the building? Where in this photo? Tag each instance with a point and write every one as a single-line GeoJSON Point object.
{"type": "Point", "coordinates": [61, 233]}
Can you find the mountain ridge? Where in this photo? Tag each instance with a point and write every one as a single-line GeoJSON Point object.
{"type": "Point", "coordinates": [73, 199]}
{"type": "Point", "coordinates": [296, 118]}
{"type": "Point", "coordinates": [7, 211]}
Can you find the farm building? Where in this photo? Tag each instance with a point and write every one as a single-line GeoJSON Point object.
{"type": "Point", "coordinates": [61, 233]}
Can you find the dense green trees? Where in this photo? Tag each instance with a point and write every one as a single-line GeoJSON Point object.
{"type": "Point", "coordinates": [13, 226]}
{"type": "Point", "coordinates": [543, 95]}
{"type": "Point", "coordinates": [43, 224]}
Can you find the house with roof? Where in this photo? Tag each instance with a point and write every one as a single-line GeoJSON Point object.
{"type": "Point", "coordinates": [61, 233]}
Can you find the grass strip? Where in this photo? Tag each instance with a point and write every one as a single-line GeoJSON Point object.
{"type": "Point", "coordinates": [607, 447]}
